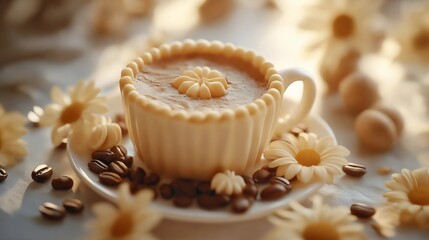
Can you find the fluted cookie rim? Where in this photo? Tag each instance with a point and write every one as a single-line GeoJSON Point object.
{"type": "Point", "coordinates": [274, 92]}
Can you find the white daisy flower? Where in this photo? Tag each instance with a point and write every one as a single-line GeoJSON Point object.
{"type": "Point", "coordinates": [99, 134]}
{"type": "Point", "coordinates": [12, 128]}
{"type": "Point", "coordinates": [130, 220]}
{"type": "Point", "coordinates": [410, 192]}
{"type": "Point", "coordinates": [320, 222]}
{"type": "Point", "coordinates": [343, 30]}
{"type": "Point", "coordinates": [82, 102]}
{"type": "Point", "coordinates": [412, 34]}
{"type": "Point", "coordinates": [228, 183]}
{"type": "Point", "coordinates": [307, 158]}
{"type": "Point", "coordinates": [386, 219]}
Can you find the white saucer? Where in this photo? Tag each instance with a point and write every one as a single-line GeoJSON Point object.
{"type": "Point", "coordinates": [194, 214]}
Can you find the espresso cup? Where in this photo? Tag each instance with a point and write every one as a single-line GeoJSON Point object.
{"type": "Point", "coordinates": [194, 143]}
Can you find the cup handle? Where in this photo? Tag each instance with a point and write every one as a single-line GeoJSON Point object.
{"type": "Point", "coordinates": [301, 111]}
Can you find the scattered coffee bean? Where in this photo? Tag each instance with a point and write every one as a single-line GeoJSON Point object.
{"type": "Point", "coordinates": [361, 210]}
{"type": "Point", "coordinates": [262, 176]}
{"type": "Point", "coordinates": [73, 205]}
{"type": "Point", "coordinates": [110, 178]}
{"type": "Point", "coordinates": [3, 175]}
{"type": "Point", "coordinates": [97, 166]}
{"type": "Point", "coordinates": [247, 179]}
{"type": "Point", "coordinates": [120, 152]}
{"type": "Point", "coordinates": [62, 183]}
{"type": "Point", "coordinates": [205, 188]}
{"type": "Point", "coordinates": [41, 173]}
{"type": "Point", "coordinates": [166, 191]}
{"type": "Point", "coordinates": [273, 192]}
{"type": "Point", "coordinates": [282, 181]}
{"type": "Point", "coordinates": [208, 202]}
{"type": "Point", "coordinates": [135, 187]}
{"type": "Point", "coordinates": [240, 204]}
{"type": "Point", "coordinates": [128, 160]}
{"type": "Point", "coordinates": [152, 179]}
{"type": "Point", "coordinates": [354, 170]}
{"type": "Point", "coordinates": [185, 186]}
{"type": "Point", "coordinates": [138, 175]}
{"type": "Point", "coordinates": [105, 156]}
{"type": "Point", "coordinates": [119, 168]}
{"type": "Point", "coordinates": [52, 211]}
{"type": "Point", "coordinates": [222, 200]}
{"type": "Point", "coordinates": [250, 190]}
{"type": "Point", "coordinates": [182, 201]}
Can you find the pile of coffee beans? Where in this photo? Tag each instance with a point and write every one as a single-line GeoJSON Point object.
{"type": "Point", "coordinates": [114, 166]}
{"type": "Point", "coordinates": [3, 175]}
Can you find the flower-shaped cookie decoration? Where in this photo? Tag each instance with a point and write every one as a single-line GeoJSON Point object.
{"type": "Point", "coordinates": [132, 218]}
{"type": "Point", "coordinates": [202, 83]}
{"type": "Point", "coordinates": [81, 103]}
{"type": "Point", "coordinates": [228, 183]}
{"type": "Point", "coordinates": [307, 158]}
{"type": "Point", "coordinates": [12, 128]}
{"type": "Point", "coordinates": [410, 192]}
{"type": "Point", "coordinates": [99, 134]}
{"type": "Point", "coordinates": [319, 222]}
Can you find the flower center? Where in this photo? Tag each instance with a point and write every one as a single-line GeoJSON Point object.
{"type": "Point", "coordinates": [122, 226]}
{"type": "Point", "coordinates": [72, 113]}
{"type": "Point", "coordinates": [421, 41]}
{"type": "Point", "coordinates": [320, 231]}
{"type": "Point", "coordinates": [308, 157]}
{"type": "Point", "coordinates": [343, 26]}
{"type": "Point", "coordinates": [419, 195]}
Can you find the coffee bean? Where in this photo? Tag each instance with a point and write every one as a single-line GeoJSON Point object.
{"type": "Point", "coordinates": [251, 190]}
{"type": "Point", "coordinates": [120, 152]}
{"type": "Point", "coordinates": [97, 166]}
{"type": "Point", "coordinates": [152, 179]}
{"type": "Point", "coordinates": [128, 160]}
{"type": "Point", "coordinates": [73, 205]}
{"type": "Point", "coordinates": [52, 211]}
{"type": "Point", "coordinates": [119, 168]}
{"type": "Point", "coordinates": [41, 173]}
{"type": "Point", "coordinates": [138, 175]}
{"type": "Point", "coordinates": [120, 120]}
{"type": "Point", "coordinates": [110, 178]}
{"type": "Point", "coordinates": [185, 186]}
{"type": "Point", "coordinates": [204, 187]}
{"type": "Point", "coordinates": [208, 202]}
{"type": "Point", "coordinates": [240, 204]}
{"type": "Point", "coordinates": [182, 201]}
{"type": "Point", "coordinates": [105, 156]}
{"type": "Point", "coordinates": [247, 179]}
{"type": "Point", "coordinates": [273, 192]}
{"type": "Point", "coordinates": [223, 200]}
{"type": "Point", "coordinates": [166, 191]}
{"type": "Point", "coordinates": [282, 181]}
{"type": "Point", "coordinates": [361, 210]}
{"type": "Point", "coordinates": [3, 175]}
{"type": "Point", "coordinates": [354, 170]}
{"type": "Point", "coordinates": [262, 176]}
{"type": "Point", "coordinates": [62, 183]}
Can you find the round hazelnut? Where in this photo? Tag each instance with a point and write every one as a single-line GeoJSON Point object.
{"type": "Point", "coordinates": [334, 75]}
{"type": "Point", "coordinates": [393, 114]}
{"type": "Point", "coordinates": [358, 92]}
{"type": "Point", "coordinates": [375, 130]}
